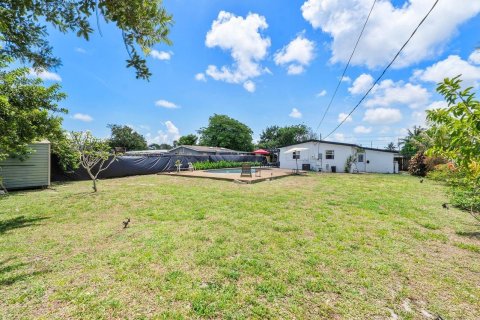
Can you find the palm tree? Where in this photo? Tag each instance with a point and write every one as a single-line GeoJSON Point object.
{"type": "Point", "coordinates": [391, 147]}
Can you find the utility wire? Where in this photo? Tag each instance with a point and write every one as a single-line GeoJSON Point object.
{"type": "Point", "coordinates": [346, 66]}
{"type": "Point", "coordinates": [385, 70]}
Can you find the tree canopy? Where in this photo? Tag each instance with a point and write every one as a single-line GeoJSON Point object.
{"type": "Point", "coordinates": [23, 27]}
{"type": "Point", "coordinates": [126, 137]}
{"type": "Point", "coordinates": [189, 139]}
{"type": "Point", "coordinates": [156, 146]}
{"type": "Point", "coordinates": [223, 131]}
{"type": "Point", "coordinates": [28, 111]}
{"type": "Point", "coordinates": [415, 141]}
{"type": "Point", "coordinates": [275, 136]}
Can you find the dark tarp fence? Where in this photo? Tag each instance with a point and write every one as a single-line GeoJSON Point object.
{"type": "Point", "coordinates": [125, 166]}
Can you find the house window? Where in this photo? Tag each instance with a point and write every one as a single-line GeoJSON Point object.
{"type": "Point", "coordinates": [361, 157]}
{"type": "Point", "coordinates": [330, 154]}
{"type": "Point", "coordinates": [296, 155]}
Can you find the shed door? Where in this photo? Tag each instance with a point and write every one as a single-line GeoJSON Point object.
{"type": "Point", "coordinates": [361, 162]}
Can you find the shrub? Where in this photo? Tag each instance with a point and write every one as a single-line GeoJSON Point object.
{"type": "Point", "coordinates": [432, 162]}
{"type": "Point", "coordinates": [442, 172]}
{"type": "Point", "coordinates": [416, 166]}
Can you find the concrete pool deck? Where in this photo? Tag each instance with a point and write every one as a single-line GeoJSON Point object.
{"type": "Point", "coordinates": [265, 174]}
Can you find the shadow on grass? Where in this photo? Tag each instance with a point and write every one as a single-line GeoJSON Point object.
{"type": "Point", "coordinates": [5, 269]}
{"type": "Point", "coordinates": [473, 234]}
{"type": "Point", "coordinates": [18, 222]}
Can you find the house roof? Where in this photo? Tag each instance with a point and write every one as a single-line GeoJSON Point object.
{"type": "Point", "coordinates": [341, 144]}
{"type": "Point", "coordinates": [204, 148]}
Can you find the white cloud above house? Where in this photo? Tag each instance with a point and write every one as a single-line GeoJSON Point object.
{"type": "Point", "coordinates": [388, 28]}
{"type": "Point", "coordinates": [45, 75]}
{"type": "Point", "coordinates": [474, 57]}
{"type": "Point", "coordinates": [240, 37]}
{"type": "Point", "coordinates": [295, 113]}
{"type": "Point", "coordinates": [296, 55]}
{"type": "Point", "coordinates": [167, 135]}
{"type": "Point", "coordinates": [361, 84]}
{"type": "Point", "coordinates": [249, 86]}
{"type": "Point", "coordinates": [343, 116]}
{"type": "Point", "coordinates": [389, 93]}
{"type": "Point", "coordinates": [200, 77]}
{"type": "Point", "coordinates": [161, 55]}
{"type": "Point", "coordinates": [82, 117]}
{"type": "Point", "coordinates": [166, 104]}
{"type": "Point", "coordinates": [450, 67]}
{"type": "Point", "coordinates": [362, 129]}
{"type": "Point", "coordinates": [382, 116]}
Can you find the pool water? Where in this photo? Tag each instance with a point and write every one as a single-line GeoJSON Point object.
{"type": "Point", "coordinates": [228, 170]}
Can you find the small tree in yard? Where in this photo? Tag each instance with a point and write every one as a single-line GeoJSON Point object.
{"type": "Point", "coordinates": [94, 154]}
{"type": "Point", "coordinates": [456, 135]}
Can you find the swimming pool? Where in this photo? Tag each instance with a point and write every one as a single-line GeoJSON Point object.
{"type": "Point", "coordinates": [228, 170]}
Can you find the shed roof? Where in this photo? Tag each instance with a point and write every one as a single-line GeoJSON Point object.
{"type": "Point", "coordinates": [342, 144]}
{"type": "Point", "coordinates": [204, 148]}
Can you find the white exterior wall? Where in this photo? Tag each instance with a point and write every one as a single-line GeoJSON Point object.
{"type": "Point", "coordinates": [379, 161]}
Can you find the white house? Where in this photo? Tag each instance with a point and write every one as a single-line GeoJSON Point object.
{"type": "Point", "coordinates": [328, 156]}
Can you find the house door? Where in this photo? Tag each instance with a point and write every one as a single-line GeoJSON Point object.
{"type": "Point", "coordinates": [361, 162]}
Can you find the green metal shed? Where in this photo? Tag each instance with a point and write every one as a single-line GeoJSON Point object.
{"type": "Point", "coordinates": [32, 172]}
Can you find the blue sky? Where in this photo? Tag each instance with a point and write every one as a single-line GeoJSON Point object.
{"type": "Point", "coordinates": [282, 62]}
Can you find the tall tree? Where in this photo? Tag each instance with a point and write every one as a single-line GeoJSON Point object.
{"type": "Point", "coordinates": [275, 136]}
{"type": "Point", "coordinates": [415, 141]}
{"type": "Point", "coordinates": [189, 139]}
{"type": "Point", "coordinates": [223, 131]}
{"type": "Point", "coordinates": [391, 147]}
{"type": "Point", "coordinates": [24, 25]}
{"type": "Point", "coordinates": [28, 111]}
{"type": "Point", "coordinates": [156, 146]}
{"type": "Point", "coordinates": [126, 137]}
{"type": "Point", "coordinates": [456, 136]}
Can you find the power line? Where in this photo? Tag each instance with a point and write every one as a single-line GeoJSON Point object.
{"type": "Point", "coordinates": [346, 66]}
{"type": "Point", "coordinates": [385, 70]}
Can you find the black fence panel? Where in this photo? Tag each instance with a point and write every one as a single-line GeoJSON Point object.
{"type": "Point", "coordinates": [125, 166]}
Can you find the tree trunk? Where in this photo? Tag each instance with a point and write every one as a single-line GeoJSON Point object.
{"type": "Point", "coordinates": [94, 185]}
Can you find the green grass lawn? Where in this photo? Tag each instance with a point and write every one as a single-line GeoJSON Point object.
{"type": "Point", "coordinates": [331, 246]}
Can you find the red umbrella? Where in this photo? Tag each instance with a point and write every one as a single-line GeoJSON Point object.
{"type": "Point", "coordinates": [261, 151]}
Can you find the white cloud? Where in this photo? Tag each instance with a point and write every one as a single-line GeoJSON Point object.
{"type": "Point", "coordinates": [361, 84]}
{"type": "Point", "coordinates": [388, 28]}
{"type": "Point", "coordinates": [382, 116]}
{"type": "Point", "coordinates": [340, 137]}
{"type": "Point", "coordinates": [342, 116]}
{"type": "Point", "coordinates": [80, 50]}
{"type": "Point", "coordinates": [297, 55]}
{"type": "Point", "coordinates": [419, 116]}
{"type": "Point", "coordinates": [322, 93]}
{"type": "Point", "coordinates": [249, 86]}
{"type": "Point", "coordinates": [437, 105]}
{"type": "Point", "coordinates": [294, 69]}
{"type": "Point", "coordinates": [451, 67]}
{"type": "Point", "coordinates": [389, 93]}
{"type": "Point", "coordinates": [45, 75]}
{"type": "Point", "coordinates": [161, 55]}
{"type": "Point", "coordinates": [241, 37]}
{"type": "Point", "coordinates": [346, 79]}
{"type": "Point", "coordinates": [475, 57]}
{"type": "Point", "coordinates": [166, 104]}
{"type": "Point", "coordinates": [172, 133]}
{"type": "Point", "coordinates": [200, 77]}
{"type": "Point", "coordinates": [82, 117]}
{"type": "Point", "coordinates": [295, 113]}
{"type": "Point", "coordinates": [362, 129]}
